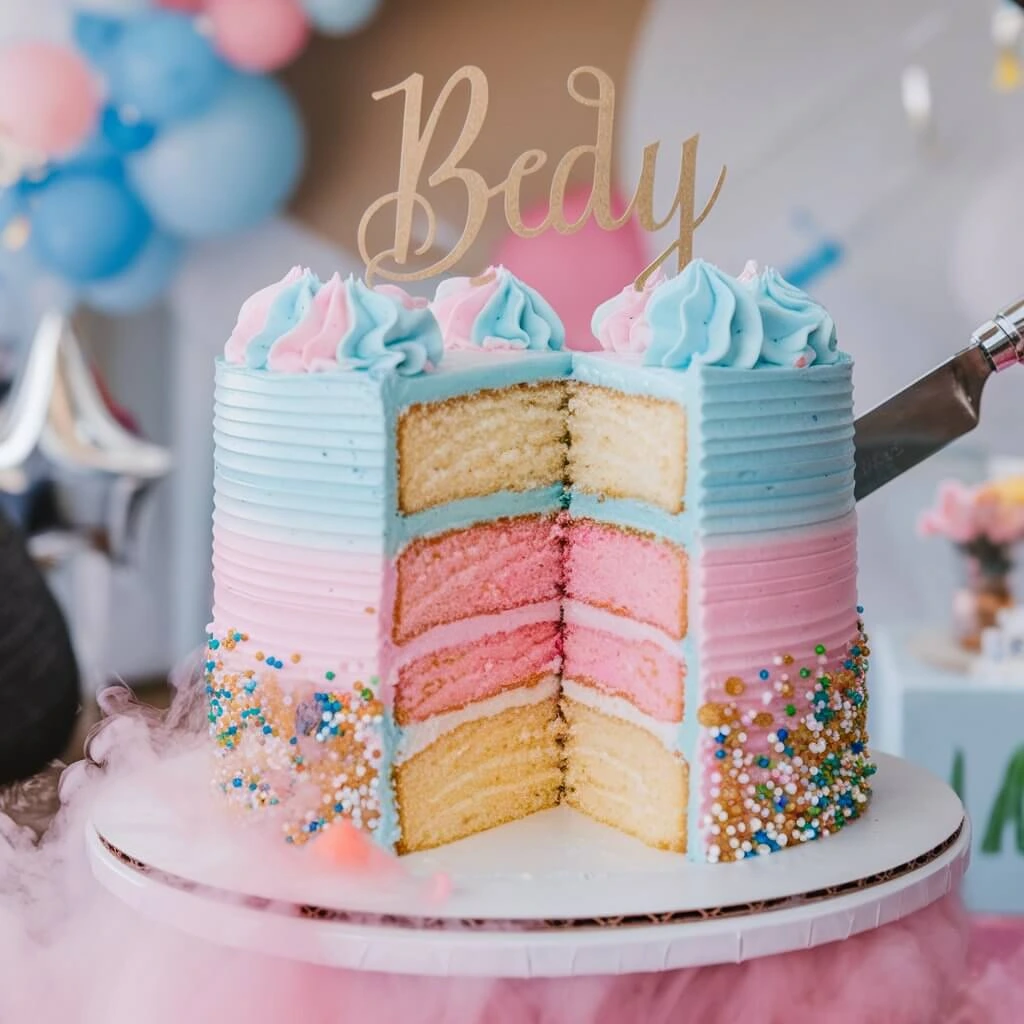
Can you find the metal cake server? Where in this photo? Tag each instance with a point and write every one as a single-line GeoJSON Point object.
{"type": "Point", "coordinates": [938, 408]}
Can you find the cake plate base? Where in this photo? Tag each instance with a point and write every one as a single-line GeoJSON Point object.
{"type": "Point", "coordinates": [554, 895]}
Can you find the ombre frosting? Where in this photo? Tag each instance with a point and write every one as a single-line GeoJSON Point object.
{"type": "Point", "coordinates": [620, 324]}
{"type": "Point", "coordinates": [496, 311]}
{"type": "Point", "coordinates": [303, 325]}
{"type": "Point", "coordinates": [709, 317]}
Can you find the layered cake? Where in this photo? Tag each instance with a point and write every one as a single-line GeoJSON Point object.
{"type": "Point", "coordinates": [463, 574]}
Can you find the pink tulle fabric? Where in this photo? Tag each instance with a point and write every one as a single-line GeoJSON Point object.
{"type": "Point", "coordinates": [71, 953]}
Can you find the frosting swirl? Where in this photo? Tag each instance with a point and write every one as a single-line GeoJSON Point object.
{"type": "Point", "coordinates": [301, 325]}
{"type": "Point", "coordinates": [797, 330]}
{"type": "Point", "coordinates": [620, 323]}
{"type": "Point", "coordinates": [495, 311]}
{"type": "Point", "coordinates": [706, 316]}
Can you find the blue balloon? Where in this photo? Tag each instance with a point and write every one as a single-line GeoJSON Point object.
{"type": "Point", "coordinates": [96, 156]}
{"type": "Point", "coordinates": [86, 226]}
{"type": "Point", "coordinates": [145, 280]}
{"type": "Point", "coordinates": [12, 204]}
{"type": "Point", "coordinates": [96, 35]}
{"type": "Point", "coordinates": [164, 68]}
{"type": "Point", "coordinates": [225, 171]}
{"type": "Point", "coordinates": [340, 17]}
{"type": "Point", "coordinates": [126, 135]}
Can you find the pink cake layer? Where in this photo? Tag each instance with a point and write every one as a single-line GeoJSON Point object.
{"type": "Point", "coordinates": [453, 677]}
{"type": "Point", "coordinates": [646, 674]}
{"type": "Point", "coordinates": [628, 573]}
{"type": "Point", "coordinates": [485, 569]}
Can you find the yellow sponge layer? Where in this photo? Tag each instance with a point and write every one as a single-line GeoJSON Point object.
{"type": "Point", "coordinates": [627, 446]}
{"type": "Point", "coordinates": [482, 774]}
{"type": "Point", "coordinates": [623, 776]}
{"type": "Point", "coordinates": [473, 445]}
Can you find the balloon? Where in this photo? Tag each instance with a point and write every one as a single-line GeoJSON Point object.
{"type": "Point", "coordinates": [145, 280]}
{"type": "Point", "coordinates": [49, 100]}
{"type": "Point", "coordinates": [340, 17]}
{"type": "Point", "coordinates": [97, 156]}
{"type": "Point", "coordinates": [258, 35]}
{"type": "Point", "coordinates": [126, 134]}
{"type": "Point", "coordinates": [576, 273]}
{"type": "Point", "coordinates": [164, 68]}
{"type": "Point", "coordinates": [227, 170]}
{"type": "Point", "coordinates": [115, 8]}
{"type": "Point", "coordinates": [96, 35]}
{"type": "Point", "coordinates": [86, 226]}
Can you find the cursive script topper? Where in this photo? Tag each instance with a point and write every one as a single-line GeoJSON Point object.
{"type": "Point", "coordinates": [407, 199]}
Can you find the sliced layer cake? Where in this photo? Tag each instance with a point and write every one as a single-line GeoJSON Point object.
{"type": "Point", "coordinates": [454, 591]}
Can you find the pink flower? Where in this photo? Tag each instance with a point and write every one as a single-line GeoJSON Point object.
{"type": "Point", "coordinates": [965, 514]}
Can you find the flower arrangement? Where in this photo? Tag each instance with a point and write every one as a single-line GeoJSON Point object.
{"type": "Point", "coordinates": [984, 523]}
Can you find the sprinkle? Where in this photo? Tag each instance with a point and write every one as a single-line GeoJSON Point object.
{"type": "Point", "coordinates": [764, 674]}
{"type": "Point", "coordinates": [805, 673]}
{"type": "Point", "coordinates": [296, 658]}
{"type": "Point", "coordinates": [819, 649]}
{"type": "Point", "coordinates": [734, 686]}
{"type": "Point", "coordinates": [329, 676]}
{"type": "Point", "coordinates": [259, 656]}
{"type": "Point", "coordinates": [790, 710]}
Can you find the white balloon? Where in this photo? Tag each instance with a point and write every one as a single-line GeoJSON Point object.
{"type": "Point", "coordinates": [46, 20]}
{"type": "Point", "coordinates": [114, 8]}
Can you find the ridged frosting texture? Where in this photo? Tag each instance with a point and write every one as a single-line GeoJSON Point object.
{"type": "Point", "coordinates": [496, 311]}
{"type": "Point", "coordinates": [705, 316]}
{"type": "Point", "coordinates": [302, 325]}
{"type": "Point", "coordinates": [620, 324]}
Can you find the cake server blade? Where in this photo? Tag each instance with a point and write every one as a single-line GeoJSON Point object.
{"type": "Point", "coordinates": [936, 409]}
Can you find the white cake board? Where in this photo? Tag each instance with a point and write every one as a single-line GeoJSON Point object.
{"type": "Point", "coordinates": [553, 895]}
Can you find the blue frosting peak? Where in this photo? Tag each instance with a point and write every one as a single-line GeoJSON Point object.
{"type": "Point", "coordinates": [795, 326]}
{"type": "Point", "coordinates": [516, 316]}
{"type": "Point", "coordinates": [706, 316]}
{"type": "Point", "coordinates": [387, 335]}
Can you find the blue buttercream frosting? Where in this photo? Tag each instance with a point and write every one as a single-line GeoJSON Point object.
{"type": "Point", "coordinates": [516, 316]}
{"type": "Point", "coordinates": [286, 312]}
{"type": "Point", "coordinates": [703, 316]}
{"type": "Point", "coordinates": [384, 334]}
{"type": "Point", "coordinates": [387, 336]}
{"type": "Point", "coordinates": [795, 326]}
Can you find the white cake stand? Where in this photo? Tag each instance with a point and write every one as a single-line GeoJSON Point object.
{"type": "Point", "coordinates": [554, 895]}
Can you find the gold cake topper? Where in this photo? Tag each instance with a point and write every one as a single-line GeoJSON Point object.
{"type": "Point", "coordinates": [407, 199]}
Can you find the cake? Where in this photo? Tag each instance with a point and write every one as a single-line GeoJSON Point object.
{"type": "Point", "coordinates": [463, 574]}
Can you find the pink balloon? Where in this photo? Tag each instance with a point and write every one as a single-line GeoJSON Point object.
{"type": "Point", "coordinates": [576, 273]}
{"type": "Point", "coordinates": [49, 100]}
{"type": "Point", "coordinates": [258, 35]}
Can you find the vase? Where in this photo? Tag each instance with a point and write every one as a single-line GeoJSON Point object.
{"type": "Point", "coordinates": [984, 594]}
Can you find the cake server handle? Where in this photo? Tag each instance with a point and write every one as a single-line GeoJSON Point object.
{"type": "Point", "coordinates": [938, 408]}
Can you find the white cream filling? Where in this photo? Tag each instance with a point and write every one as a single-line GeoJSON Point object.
{"type": "Point", "coordinates": [618, 707]}
{"type": "Point", "coordinates": [419, 735]}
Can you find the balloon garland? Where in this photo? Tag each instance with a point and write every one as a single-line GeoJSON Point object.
{"type": "Point", "coordinates": [155, 128]}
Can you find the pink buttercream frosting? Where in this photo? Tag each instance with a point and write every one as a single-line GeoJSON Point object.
{"type": "Point", "coordinates": [619, 324]}
{"type": "Point", "coordinates": [253, 315]}
{"type": "Point", "coordinates": [495, 311]}
{"type": "Point", "coordinates": [301, 325]}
